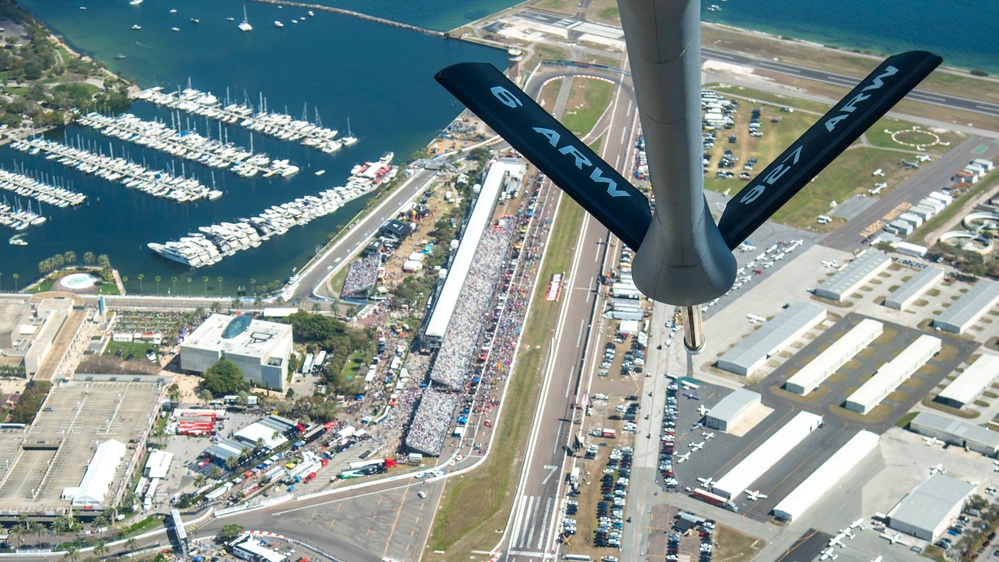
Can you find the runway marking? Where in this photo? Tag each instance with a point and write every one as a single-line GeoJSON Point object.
{"type": "Point", "coordinates": [525, 532]}
{"type": "Point", "coordinates": [534, 523]}
{"type": "Point", "coordinates": [929, 97]}
{"type": "Point", "coordinates": [526, 553]}
{"type": "Point", "coordinates": [550, 468]}
{"type": "Point", "coordinates": [541, 537]}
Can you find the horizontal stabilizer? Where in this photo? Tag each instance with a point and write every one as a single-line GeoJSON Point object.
{"type": "Point", "coordinates": [823, 142]}
{"type": "Point", "coordinates": [565, 159]}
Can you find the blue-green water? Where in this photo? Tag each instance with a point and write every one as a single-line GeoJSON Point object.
{"type": "Point", "coordinates": [379, 76]}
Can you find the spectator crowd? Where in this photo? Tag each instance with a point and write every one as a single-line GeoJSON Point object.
{"type": "Point", "coordinates": [361, 277]}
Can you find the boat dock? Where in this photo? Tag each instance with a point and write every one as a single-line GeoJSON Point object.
{"type": "Point", "coordinates": [131, 175]}
{"type": "Point", "coordinates": [276, 125]}
{"type": "Point", "coordinates": [187, 144]}
{"type": "Point", "coordinates": [18, 219]}
{"type": "Point", "coordinates": [30, 187]}
{"type": "Point", "coordinates": [354, 14]}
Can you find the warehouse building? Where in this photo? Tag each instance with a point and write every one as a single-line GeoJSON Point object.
{"type": "Point", "coordinates": [892, 373]}
{"type": "Point", "coordinates": [956, 432]}
{"type": "Point", "coordinates": [260, 348]}
{"type": "Point", "coordinates": [969, 308]}
{"type": "Point", "coordinates": [771, 338]}
{"type": "Point", "coordinates": [970, 384]}
{"type": "Point", "coordinates": [731, 409]}
{"type": "Point", "coordinates": [764, 457]}
{"type": "Point", "coordinates": [835, 356]}
{"type": "Point", "coordinates": [826, 476]}
{"type": "Point", "coordinates": [848, 280]}
{"type": "Point", "coordinates": [914, 288]}
{"type": "Point", "coordinates": [929, 509]}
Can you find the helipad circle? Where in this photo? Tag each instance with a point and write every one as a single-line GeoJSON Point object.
{"type": "Point", "coordinates": [78, 281]}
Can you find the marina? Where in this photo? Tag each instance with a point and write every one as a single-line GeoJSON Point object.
{"type": "Point", "coordinates": [277, 125]}
{"type": "Point", "coordinates": [17, 218]}
{"type": "Point", "coordinates": [157, 183]}
{"type": "Point", "coordinates": [212, 243]}
{"type": "Point", "coordinates": [26, 186]}
{"type": "Point", "coordinates": [188, 144]}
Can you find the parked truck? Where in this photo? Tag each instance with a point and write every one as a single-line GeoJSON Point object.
{"type": "Point", "coordinates": [714, 499]}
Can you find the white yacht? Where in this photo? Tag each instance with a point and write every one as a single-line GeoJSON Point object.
{"type": "Point", "coordinates": [278, 24]}
{"type": "Point", "coordinates": [245, 25]}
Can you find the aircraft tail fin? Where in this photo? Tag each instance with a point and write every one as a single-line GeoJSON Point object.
{"type": "Point", "coordinates": [533, 132]}
{"type": "Point", "coordinates": [823, 142]}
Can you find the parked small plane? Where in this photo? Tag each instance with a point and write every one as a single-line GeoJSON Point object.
{"type": "Point", "coordinates": [828, 554]}
{"type": "Point", "coordinates": [692, 395]}
{"type": "Point", "coordinates": [697, 446]}
{"type": "Point", "coordinates": [939, 468]}
{"type": "Point", "coordinates": [859, 523]}
{"type": "Point", "coordinates": [755, 319]}
{"type": "Point", "coordinates": [755, 495]}
{"type": "Point", "coordinates": [909, 165]}
{"type": "Point", "coordinates": [896, 538]}
{"type": "Point", "coordinates": [837, 541]}
{"type": "Point", "coordinates": [708, 435]}
{"type": "Point", "coordinates": [879, 172]}
{"type": "Point", "coordinates": [924, 158]}
{"type": "Point", "coordinates": [931, 441]}
{"type": "Point", "coordinates": [706, 482]}
{"type": "Point", "coordinates": [878, 559]}
{"type": "Point", "coordinates": [682, 457]}
{"type": "Point", "coordinates": [830, 263]}
{"type": "Point", "coordinates": [702, 409]}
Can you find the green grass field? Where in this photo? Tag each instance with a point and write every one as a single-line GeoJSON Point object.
{"type": "Point", "coordinates": [137, 350]}
{"type": "Point", "coordinates": [597, 96]}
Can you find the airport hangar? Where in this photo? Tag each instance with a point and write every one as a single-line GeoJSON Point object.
{"type": "Point", "coordinates": [772, 337]}
{"type": "Point", "coordinates": [970, 384]}
{"type": "Point", "coordinates": [929, 509]}
{"type": "Point", "coordinates": [260, 348]}
{"type": "Point", "coordinates": [914, 288]}
{"type": "Point", "coordinates": [956, 432]}
{"type": "Point", "coordinates": [969, 308]}
{"type": "Point", "coordinates": [815, 372]}
{"type": "Point", "coordinates": [892, 374]}
{"type": "Point", "coordinates": [847, 280]}
{"type": "Point", "coordinates": [731, 409]}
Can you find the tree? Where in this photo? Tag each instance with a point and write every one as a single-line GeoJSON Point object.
{"type": "Point", "coordinates": [189, 285]}
{"type": "Point", "coordinates": [16, 275]}
{"type": "Point", "coordinates": [72, 552]}
{"type": "Point", "coordinates": [290, 394]}
{"type": "Point", "coordinates": [158, 284]}
{"type": "Point", "coordinates": [205, 396]}
{"type": "Point", "coordinates": [224, 377]}
{"type": "Point", "coordinates": [174, 280]}
{"type": "Point", "coordinates": [62, 525]}
{"type": "Point", "coordinates": [140, 277]}
{"type": "Point", "coordinates": [124, 281]}
{"type": "Point", "coordinates": [231, 463]}
{"type": "Point", "coordinates": [132, 543]}
{"type": "Point", "coordinates": [230, 531]}
{"type": "Point", "coordinates": [101, 547]}
{"type": "Point", "coordinates": [174, 393]}
{"type": "Point", "coordinates": [216, 307]}
{"type": "Point", "coordinates": [199, 480]}
{"type": "Point", "coordinates": [316, 307]}
{"type": "Point", "coordinates": [70, 257]}
{"type": "Point", "coordinates": [205, 281]}
{"type": "Point", "coordinates": [89, 258]}
{"type": "Point", "coordinates": [220, 285]}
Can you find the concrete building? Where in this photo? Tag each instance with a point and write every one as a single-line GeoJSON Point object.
{"type": "Point", "coordinates": [12, 316]}
{"type": "Point", "coordinates": [956, 432]}
{"type": "Point", "coordinates": [764, 457]}
{"type": "Point", "coordinates": [969, 308]}
{"type": "Point", "coordinates": [892, 373]}
{"type": "Point", "coordinates": [929, 509]}
{"type": "Point", "coordinates": [826, 476]}
{"type": "Point", "coordinates": [970, 384]}
{"type": "Point", "coordinates": [771, 338]}
{"type": "Point", "coordinates": [250, 549]}
{"type": "Point", "coordinates": [848, 280]}
{"type": "Point", "coordinates": [260, 348]}
{"type": "Point", "coordinates": [914, 288]}
{"type": "Point", "coordinates": [731, 409]}
{"type": "Point", "coordinates": [53, 313]}
{"type": "Point", "coordinates": [835, 356]}
{"type": "Point", "coordinates": [158, 464]}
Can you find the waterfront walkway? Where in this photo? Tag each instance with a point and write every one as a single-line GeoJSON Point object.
{"type": "Point", "coordinates": [352, 13]}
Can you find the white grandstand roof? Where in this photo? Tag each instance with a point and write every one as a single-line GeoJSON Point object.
{"type": "Point", "coordinates": [982, 373]}
{"type": "Point", "coordinates": [768, 454]}
{"type": "Point", "coordinates": [99, 476]}
{"type": "Point", "coordinates": [257, 430]}
{"type": "Point", "coordinates": [826, 476]}
{"type": "Point", "coordinates": [892, 373]}
{"type": "Point", "coordinates": [158, 463]}
{"type": "Point", "coordinates": [477, 223]}
{"type": "Point", "coordinates": [836, 355]}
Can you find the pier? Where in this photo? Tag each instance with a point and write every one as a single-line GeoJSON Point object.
{"type": "Point", "coordinates": [27, 186]}
{"type": "Point", "coordinates": [358, 15]}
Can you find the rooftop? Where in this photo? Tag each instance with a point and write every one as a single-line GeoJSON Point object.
{"type": "Point", "coordinates": [241, 335]}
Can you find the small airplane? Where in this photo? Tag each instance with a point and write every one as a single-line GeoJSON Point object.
{"type": "Point", "coordinates": [909, 165]}
{"type": "Point", "coordinates": [878, 172]}
{"type": "Point", "coordinates": [924, 158]}
{"type": "Point", "coordinates": [896, 538]}
{"type": "Point", "coordinates": [931, 441]}
{"type": "Point", "coordinates": [830, 263]}
{"type": "Point", "coordinates": [755, 319]}
{"type": "Point", "coordinates": [848, 533]}
{"type": "Point", "coordinates": [837, 541]}
{"type": "Point", "coordinates": [688, 385]}
{"type": "Point", "coordinates": [708, 435]}
{"type": "Point", "coordinates": [877, 188]}
{"type": "Point", "coordinates": [696, 446]}
{"type": "Point", "coordinates": [859, 523]}
{"type": "Point", "coordinates": [755, 495]}
{"type": "Point", "coordinates": [707, 482]}
{"type": "Point", "coordinates": [702, 409]}
{"type": "Point", "coordinates": [938, 469]}
{"type": "Point", "coordinates": [828, 554]}
{"type": "Point", "coordinates": [682, 457]}
{"type": "Point", "coordinates": [757, 271]}
{"type": "Point", "coordinates": [692, 395]}
{"type": "Point", "coordinates": [878, 559]}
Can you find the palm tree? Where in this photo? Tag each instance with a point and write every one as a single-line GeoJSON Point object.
{"type": "Point", "coordinates": [189, 285]}
{"type": "Point", "coordinates": [216, 307]}
{"type": "Point", "coordinates": [72, 552]}
{"type": "Point", "coordinates": [158, 284]}
{"type": "Point", "coordinates": [89, 258]}
{"type": "Point", "coordinates": [140, 277]}
{"type": "Point", "coordinates": [132, 543]}
{"type": "Point", "coordinates": [220, 285]}
{"type": "Point", "coordinates": [174, 280]}
{"type": "Point", "coordinates": [16, 275]}
{"type": "Point", "coordinates": [206, 396]}
{"type": "Point", "coordinates": [101, 547]}
{"type": "Point", "coordinates": [44, 266]}
{"type": "Point", "coordinates": [124, 281]}
{"type": "Point", "coordinates": [69, 256]}
{"type": "Point", "coordinates": [316, 307]}
{"type": "Point", "coordinates": [253, 285]}
{"type": "Point", "coordinates": [258, 300]}
{"type": "Point", "coordinates": [205, 281]}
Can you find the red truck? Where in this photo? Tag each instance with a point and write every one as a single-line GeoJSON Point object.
{"type": "Point", "coordinates": [309, 478]}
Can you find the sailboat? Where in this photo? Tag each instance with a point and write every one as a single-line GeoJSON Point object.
{"type": "Point", "coordinates": [350, 138]}
{"type": "Point", "coordinates": [245, 26]}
